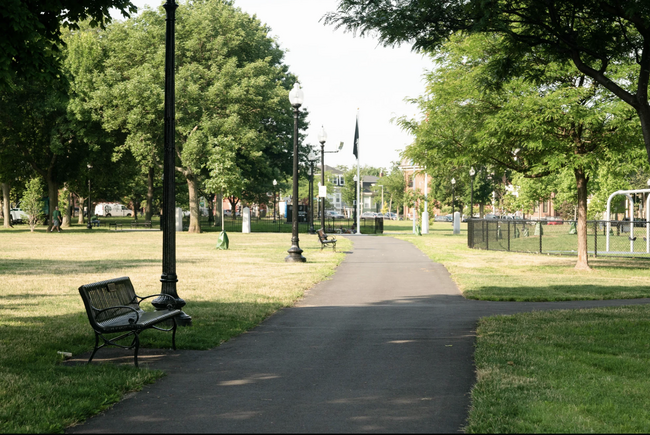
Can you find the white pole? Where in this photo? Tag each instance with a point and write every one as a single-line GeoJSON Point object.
{"type": "Point", "coordinates": [425, 215]}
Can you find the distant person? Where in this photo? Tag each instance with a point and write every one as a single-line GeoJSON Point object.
{"type": "Point", "coordinates": [56, 220]}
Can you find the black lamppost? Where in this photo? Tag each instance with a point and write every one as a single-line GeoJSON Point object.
{"type": "Point", "coordinates": [169, 278]}
{"type": "Point", "coordinates": [275, 183]}
{"type": "Point", "coordinates": [472, 172]}
{"type": "Point", "coordinates": [296, 97]}
{"type": "Point", "coordinates": [89, 225]}
{"type": "Point", "coordinates": [312, 158]}
{"type": "Point", "coordinates": [453, 198]}
{"type": "Point", "coordinates": [322, 138]}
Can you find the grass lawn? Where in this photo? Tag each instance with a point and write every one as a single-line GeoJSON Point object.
{"type": "Point", "coordinates": [563, 371]}
{"type": "Point", "coordinates": [559, 371]}
{"type": "Point", "coordinates": [511, 276]}
{"type": "Point", "coordinates": [41, 312]}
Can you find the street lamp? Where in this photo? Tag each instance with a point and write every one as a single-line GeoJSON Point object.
{"type": "Point", "coordinates": [472, 172]}
{"type": "Point", "coordinates": [313, 156]}
{"type": "Point", "coordinates": [169, 278]}
{"type": "Point", "coordinates": [453, 198]}
{"type": "Point", "coordinates": [275, 183]}
{"type": "Point", "coordinates": [296, 97]}
{"type": "Point", "coordinates": [89, 225]}
{"type": "Point", "coordinates": [322, 138]}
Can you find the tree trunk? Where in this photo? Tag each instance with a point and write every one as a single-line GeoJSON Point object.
{"type": "Point", "coordinates": [581, 182]}
{"type": "Point", "coordinates": [80, 203]}
{"type": "Point", "coordinates": [218, 209]}
{"type": "Point", "coordinates": [67, 216]}
{"type": "Point", "coordinates": [149, 207]}
{"type": "Point", "coordinates": [6, 206]}
{"type": "Point", "coordinates": [192, 186]}
{"type": "Point", "coordinates": [53, 194]}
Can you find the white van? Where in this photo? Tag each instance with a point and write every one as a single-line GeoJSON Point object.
{"type": "Point", "coordinates": [109, 209]}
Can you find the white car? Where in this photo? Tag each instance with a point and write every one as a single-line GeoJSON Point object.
{"type": "Point", "coordinates": [18, 216]}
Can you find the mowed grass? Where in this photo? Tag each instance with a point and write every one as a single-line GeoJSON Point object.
{"type": "Point", "coordinates": [562, 371]}
{"type": "Point", "coordinates": [512, 276]}
{"type": "Point", "coordinates": [569, 371]}
{"type": "Point", "coordinates": [41, 312]}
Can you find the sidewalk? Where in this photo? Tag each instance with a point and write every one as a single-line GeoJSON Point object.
{"type": "Point", "coordinates": [386, 345]}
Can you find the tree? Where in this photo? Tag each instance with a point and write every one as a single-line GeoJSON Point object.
{"type": "Point", "coordinates": [31, 35]}
{"type": "Point", "coordinates": [594, 35]}
{"type": "Point", "coordinates": [233, 118]}
{"type": "Point", "coordinates": [32, 202]}
{"type": "Point", "coordinates": [564, 121]}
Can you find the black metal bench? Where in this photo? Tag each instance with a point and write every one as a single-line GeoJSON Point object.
{"type": "Point", "coordinates": [116, 225]}
{"type": "Point", "coordinates": [145, 224]}
{"type": "Point", "coordinates": [113, 307]}
{"type": "Point", "coordinates": [324, 241]}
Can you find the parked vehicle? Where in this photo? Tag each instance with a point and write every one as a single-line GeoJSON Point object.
{"type": "Point", "coordinates": [554, 221]}
{"type": "Point", "coordinates": [442, 218]}
{"type": "Point", "coordinates": [392, 216]}
{"type": "Point", "coordinates": [18, 216]}
{"type": "Point", "coordinates": [369, 215]}
{"type": "Point", "coordinates": [108, 209]}
{"type": "Point", "coordinates": [333, 214]}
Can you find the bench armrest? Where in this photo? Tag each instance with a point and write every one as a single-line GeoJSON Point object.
{"type": "Point", "coordinates": [137, 313]}
{"type": "Point", "coordinates": [169, 306]}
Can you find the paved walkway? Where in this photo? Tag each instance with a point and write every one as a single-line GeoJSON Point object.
{"type": "Point", "coordinates": [386, 345]}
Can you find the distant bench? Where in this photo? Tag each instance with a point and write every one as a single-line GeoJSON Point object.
{"type": "Point", "coordinates": [324, 241]}
{"type": "Point", "coordinates": [113, 307]}
{"type": "Point", "coordinates": [114, 225]}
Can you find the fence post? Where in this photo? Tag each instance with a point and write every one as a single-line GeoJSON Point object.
{"type": "Point", "coordinates": [541, 231]}
{"type": "Point", "coordinates": [595, 239]}
{"type": "Point", "coordinates": [487, 235]}
{"type": "Point", "coordinates": [508, 235]}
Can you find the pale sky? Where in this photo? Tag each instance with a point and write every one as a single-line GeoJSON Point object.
{"type": "Point", "coordinates": [340, 73]}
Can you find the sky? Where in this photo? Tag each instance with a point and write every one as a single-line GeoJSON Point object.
{"type": "Point", "coordinates": [342, 75]}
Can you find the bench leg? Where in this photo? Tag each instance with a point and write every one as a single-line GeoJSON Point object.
{"type": "Point", "coordinates": [95, 349]}
{"type": "Point", "coordinates": [136, 342]}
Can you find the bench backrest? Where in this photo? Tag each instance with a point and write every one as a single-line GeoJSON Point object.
{"type": "Point", "coordinates": [105, 294]}
{"type": "Point", "coordinates": [321, 235]}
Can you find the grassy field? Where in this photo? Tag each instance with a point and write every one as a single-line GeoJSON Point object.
{"type": "Point", "coordinates": [563, 371]}
{"type": "Point", "coordinates": [41, 312]}
{"type": "Point", "coordinates": [511, 276]}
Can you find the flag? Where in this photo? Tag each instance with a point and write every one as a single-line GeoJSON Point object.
{"type": "Point", "coordinates": [355, 150]}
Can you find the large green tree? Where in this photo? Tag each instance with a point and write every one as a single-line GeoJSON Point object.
{"type": "Point", "coordinates": [31, 34]}
{"type": "Point", "coordinates": [563, 121]}
{"type": "Point", "coordinates": [233, 117]}
{"type": "Point", "coordinates": [594, 35]}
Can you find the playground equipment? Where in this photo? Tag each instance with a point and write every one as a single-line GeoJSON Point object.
{"type": "Point", "coordinates": [629, 193]}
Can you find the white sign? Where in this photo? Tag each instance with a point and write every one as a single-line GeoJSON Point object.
{"type": "Point", "coordinates": [322, 191]}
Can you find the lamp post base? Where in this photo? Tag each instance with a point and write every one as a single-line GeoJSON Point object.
{"type": "Point", "coordinates": [295, 255]}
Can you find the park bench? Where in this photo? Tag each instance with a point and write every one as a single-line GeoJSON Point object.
{"type": "Point", "coordinates": [145, 224]}
{"type": "Point", "coordinates": [324, 241]}
{"type": "Point", "coordinates": [116, 225]}
{"type": "Point", "coordinates": [114, 308]}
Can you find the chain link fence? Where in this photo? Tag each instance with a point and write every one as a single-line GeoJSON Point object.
{"type": "Point", "coordinates": [559, 236]}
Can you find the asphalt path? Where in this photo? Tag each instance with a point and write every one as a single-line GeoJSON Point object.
{"type": "Point", "coordinates": [386, 345]}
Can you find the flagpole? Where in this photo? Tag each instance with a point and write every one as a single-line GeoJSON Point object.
{"type": "Point", "coordinates": [359, 208]}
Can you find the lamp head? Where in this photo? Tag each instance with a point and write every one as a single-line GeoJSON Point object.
{"type": "Point", "coordinates": [296, 96]}
{"type": "Point", "coordinates": [322, 136]}
{"type": "Point", "coordinates": [472, 171]}
{"type": "Point", "coordinates": [453, 181]}
{"type": "Point", "coordinates": [275, 182]}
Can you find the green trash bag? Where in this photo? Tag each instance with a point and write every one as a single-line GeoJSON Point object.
{"type": "Point", "coordinates": [417, 230]}
{"type": "Point", "coordinates": [499, 235]}
{"type": "Point", "coordinates": [516, 233]}
{"type": "Point", "coordinates": [222, 242]}
{"type": "Point", "coordinates": [538, 229]}
{"type": "Point", "coordinates": [572, 228]}
{"type": "Point", "coordinates": [524, 232]}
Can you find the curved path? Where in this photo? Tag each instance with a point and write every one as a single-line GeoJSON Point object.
{"type": "Point", "coordinates": [386, 345]}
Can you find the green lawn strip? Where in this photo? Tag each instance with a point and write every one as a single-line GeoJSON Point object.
{"type": "Point", "coordinates": [563, 371]}
{"type": "Point", "coordinates": [511, 276]}
{"type": "Point", "coordinates": [41, 312]}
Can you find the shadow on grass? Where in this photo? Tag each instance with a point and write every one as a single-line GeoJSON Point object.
{"type": "Point", "coordinates": [557, 293]}
{"type": "Point", "coordinates": [66, 267]}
